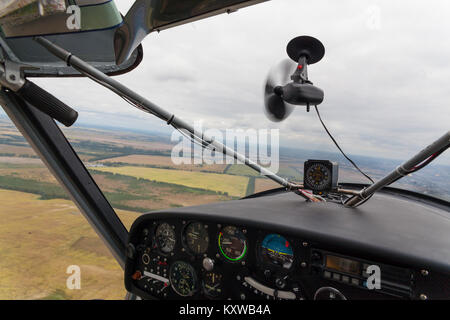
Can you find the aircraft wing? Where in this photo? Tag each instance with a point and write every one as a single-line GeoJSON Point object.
{"type": "Point", "coordinates": [96, 31]}
{"type": "Point", "coordinates": [146, 16]}
{"type": "Point", "coordinates": [84, 27]}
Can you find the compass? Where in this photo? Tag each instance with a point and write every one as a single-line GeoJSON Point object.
{"type": "Point", "coordinates": [320, 176]}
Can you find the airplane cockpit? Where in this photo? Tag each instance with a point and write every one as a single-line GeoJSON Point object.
{"type": "Point", "coordinates": [316, 239]}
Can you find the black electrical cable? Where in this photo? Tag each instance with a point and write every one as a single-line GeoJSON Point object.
{"type": "Point", "coordinates": [337, 145]}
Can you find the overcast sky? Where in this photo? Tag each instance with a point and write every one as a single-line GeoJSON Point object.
{"type": "Point", "coordinates": [386, 74]}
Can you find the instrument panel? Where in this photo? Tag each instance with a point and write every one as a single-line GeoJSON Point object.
{"type": "Point", "coordinates": [197, 259]}
{"type": "Point", "coordinates": [280, 247]}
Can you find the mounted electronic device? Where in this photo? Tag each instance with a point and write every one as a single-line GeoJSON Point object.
{"type": "Point", "coordinates": [279, 99]}
{"type": "Point", "coordinates": [320, 176]}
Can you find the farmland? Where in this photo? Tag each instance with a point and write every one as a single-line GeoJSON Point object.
{"type": "Point", "coordinates": [228, 184]}
{"type": "Point", "coordinates": [163, 162]}
{"type": "Point", "coordinates": [42, 231]}
{"type": "Point", "coordinates": [39, 239]}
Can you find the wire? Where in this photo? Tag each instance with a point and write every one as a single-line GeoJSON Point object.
{"type": "Point", "coordinates": [337, 145]}
{"type": "Point", "coordinates": [423, 164]}
{"type": "Point", "coordinates": [428, 160]}
{"type": "Point", "coordinates": [308, 196]}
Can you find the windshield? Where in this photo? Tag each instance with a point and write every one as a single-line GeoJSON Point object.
{"type": "Point", "coordinates": [385, 75]}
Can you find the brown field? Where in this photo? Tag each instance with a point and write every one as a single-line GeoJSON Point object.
{"type": "Point", "coordinates": [263, 184]}
{"type": "Point", "coordinates": [167, 200]}
{"type": "Point", "coordinates": [17, 150]}
{"type": "Point", "coordinates": [39, 239]}
{"type": "Point", "coordinates": [156, 197]}
{"type": "Point", "coordinates": [40, 173]}
{"type": "Point", "coordinates": [164, 162]}
{"type": "Point", "coordinates": [118, 138]}
{"type": "Point", "coordinates": [20, 160]}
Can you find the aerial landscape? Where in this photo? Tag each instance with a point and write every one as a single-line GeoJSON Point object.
{"type": "Point", "coordinates": [136, 173]}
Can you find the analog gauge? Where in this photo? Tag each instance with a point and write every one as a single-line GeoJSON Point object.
{"type": "Point", "coordinates": [318, 176]}
{"type": "Point", "coordinates": [232, 243]}
{"type": "Point", "coordinates": [183, 278]}
{"type": "Point", "coordinates": [196, 237]}
{"type": "Point", "coordinates": [165, 237]}
{"type": "Point", "coordinates": [212, 284]}
{"type": "Point", "coordinates": [276, 250]}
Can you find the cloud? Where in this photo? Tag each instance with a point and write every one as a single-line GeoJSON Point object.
{"type": "Point", "coordinates": [386, 77]}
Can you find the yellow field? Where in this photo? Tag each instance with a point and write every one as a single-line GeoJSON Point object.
{"type": "Point", "coordinates": [233, 185]}
{"type": "Point", "coordinates": [39, 239]}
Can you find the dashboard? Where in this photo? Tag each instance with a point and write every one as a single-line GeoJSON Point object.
{"type": "Point", "coordinates": [280, 247]}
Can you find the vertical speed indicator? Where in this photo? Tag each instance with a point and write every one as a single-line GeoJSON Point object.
{"type": "Point", "coordinates": [232, 243]}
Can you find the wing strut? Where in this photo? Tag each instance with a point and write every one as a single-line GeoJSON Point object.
{"type": "Point", "coordinates": [417, 162]}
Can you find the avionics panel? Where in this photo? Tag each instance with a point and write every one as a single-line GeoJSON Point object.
{"type": "Point", "coordinates": [278, 247]}
{"type": "Point", "coordinates": [363, 273]}
{"type": "Point", "coordinates": [199, 259]}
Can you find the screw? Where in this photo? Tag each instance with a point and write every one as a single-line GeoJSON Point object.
{"type": "Point", "coordinates": [424, 272]}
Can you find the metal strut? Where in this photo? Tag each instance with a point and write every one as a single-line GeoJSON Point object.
{"type": "Point", "coordinates": [439, 145]}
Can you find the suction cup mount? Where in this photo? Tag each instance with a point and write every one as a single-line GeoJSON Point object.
{"type": "Point", "coordinates": [305, 46]}
{"type": "Point", "coordinates": [279, 99]}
